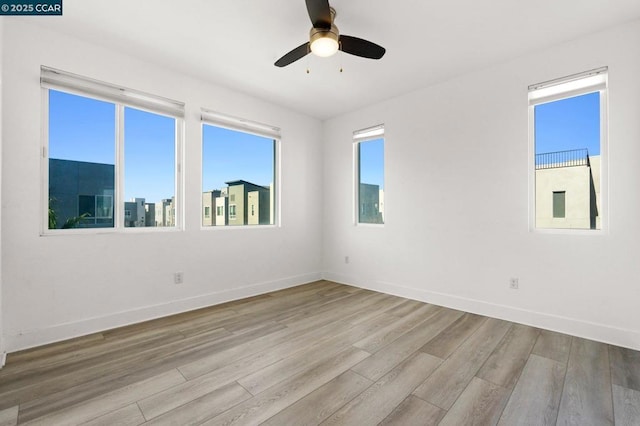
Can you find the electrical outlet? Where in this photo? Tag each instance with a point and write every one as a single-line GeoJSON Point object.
{"type": "Point", "coordinates": [346, 259]}
{"type": "Point", "coordinates": [513, 283]}
{"type": "Point", "coordinates": [178, 278]}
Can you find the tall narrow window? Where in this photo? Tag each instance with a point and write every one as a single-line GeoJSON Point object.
{"type": "Point", "coordinates": [149, 166]}
{"type": "Point", "coordinates": [558, 204]}
{"type": "Point", "coordinates": [369, 164]}
{"type": "Point", "coordinates": [239, 170]}
{"type": "Point", "coordinates": [568, 132]}
{"type": "Point", "coordinates": [110, 155]}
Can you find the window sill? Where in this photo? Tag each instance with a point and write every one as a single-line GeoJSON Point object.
{"type": "Point", "coordinates": [107, 231]}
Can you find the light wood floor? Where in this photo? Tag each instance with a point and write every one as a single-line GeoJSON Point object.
{"type": "Point", "coordinates": [323, 353]}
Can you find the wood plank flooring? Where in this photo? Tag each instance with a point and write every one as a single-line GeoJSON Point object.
{"type": "Point", "coordinates": [323, 354]}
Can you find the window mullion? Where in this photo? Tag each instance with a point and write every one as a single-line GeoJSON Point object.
{"type": "Point", "coordinates": [180, 221]}
{"type": "Point", "coordinates": [119, 168]}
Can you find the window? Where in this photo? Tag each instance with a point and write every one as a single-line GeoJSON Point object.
{"type": "Point", "coordinates": [239, 167]}
{"type": "Point", "coordinates": [81, 161]}
{"type": "Point", "coordinates": [95, 209]}
{"type": "Point", "coordinates": [568, 145]}
{"type": "Point", "coordinates": [558, 203]}
{"type": "Point", "coordinates": [106, 145]}
{"type": "Point", "coordinates": [207, 212]}
{"type": "Point", "coordinates": [369, 166]}
{"type": "Point", "coordinates": [149, 160]}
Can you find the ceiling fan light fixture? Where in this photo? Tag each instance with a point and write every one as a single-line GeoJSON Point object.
{"type": "Point", "coordinates": [324, 47]}
{"type": "Point", "coordinates": [324, 43]}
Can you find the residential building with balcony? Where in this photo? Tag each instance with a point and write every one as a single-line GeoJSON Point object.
{"type": "Point", "coordinates": [567, 190]}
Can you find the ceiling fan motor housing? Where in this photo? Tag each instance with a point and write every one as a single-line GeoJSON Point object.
{"type": "Point", "coordinates": [325, 41]}
{"type": "Point", "coordinates": [318, 33]}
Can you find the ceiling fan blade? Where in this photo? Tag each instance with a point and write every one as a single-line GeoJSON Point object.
{"type": "Point", "coordinates": [320, 13]}
{"type": "Point", "coordinates": [359, 47]}
{"type": "Point", "coordinates": [297, 53]}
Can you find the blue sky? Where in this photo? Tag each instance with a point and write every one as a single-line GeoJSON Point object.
{"type": "Point", "coordinates": [149, 155]}
{"type": "Point", "coordinates": [83, 129]}
{"type": "Point", "coordinates": [571, 123]}
{"type": "Point", "coordinates": [229, 155]}
{"type": "Point", "coordinates": [372, 162]}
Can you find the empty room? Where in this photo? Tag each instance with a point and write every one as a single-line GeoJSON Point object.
{"type": "Point", "coordinates": [312, 212]}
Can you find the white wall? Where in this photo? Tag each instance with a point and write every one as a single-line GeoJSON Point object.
{"type": "Point", "coordinates": [456, 204]}
{"type": "Point", "coordinates": [456, 199]}
{"type": "Point", "coordinates": [56, 287]}
{"type": "Point", "coordinates": [2, 349]}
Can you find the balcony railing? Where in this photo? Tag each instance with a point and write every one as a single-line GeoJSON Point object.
{"type": "Point", "coordinates": [570, 158]}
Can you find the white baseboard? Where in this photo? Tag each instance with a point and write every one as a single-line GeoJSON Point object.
{"type": "Point", "coordinates": [589, 330]}
{"type": "Point", "coordinates": [3, 359]}
{"type": "Point", "coordinates": [55, 333]}
{"type": "Point", "coordinates": [575, 327]}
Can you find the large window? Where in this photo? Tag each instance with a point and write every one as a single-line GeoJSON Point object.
{"type": "Point", "coordinates": [110, 155]}
{"type": "Point", "coordinates": [369, 166]}
{"type": "Point", "coordinates": [568, 134]}
{"type": "Point", "coordinates": [239, 171]}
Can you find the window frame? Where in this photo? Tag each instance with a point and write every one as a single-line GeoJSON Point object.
{"type": "Point", "coordinates": [359, 137]}
{"type": "Point", "coordinates": [210, 117]}
{"type": "Point", "coordinates": [596, 80]}
{"type": "Point", "coordinates": [121, 98]}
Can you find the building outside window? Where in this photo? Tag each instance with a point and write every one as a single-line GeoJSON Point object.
{"type": "Point", "coordinates": [239, 170]}
{"type": "Point", "coordinates": [568, 136]}
{"type": "Point", "coordinates": [87, 185]}
{"type": "Point", "coordinates": [369, 172]}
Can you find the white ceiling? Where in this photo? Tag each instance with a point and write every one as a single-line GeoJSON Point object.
{"type": "Point", "coordinates": [234, 43]}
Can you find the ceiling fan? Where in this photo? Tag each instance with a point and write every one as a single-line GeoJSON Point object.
{"type": "Point", "coordinates": [325, 39]}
